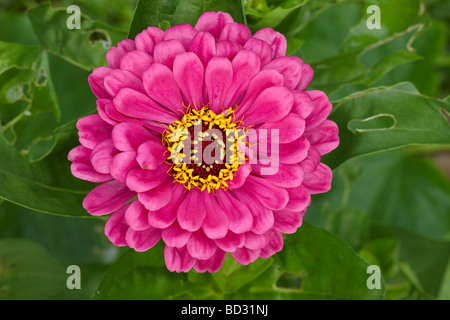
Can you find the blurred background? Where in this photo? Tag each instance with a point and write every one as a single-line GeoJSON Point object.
{"type": "Point", "coordinates": [393, 208]}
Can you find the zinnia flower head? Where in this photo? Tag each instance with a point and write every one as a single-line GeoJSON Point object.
{"type": "Point", "coordinates": [205, 138]}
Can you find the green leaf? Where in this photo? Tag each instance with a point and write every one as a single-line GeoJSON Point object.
{"type": "Point", "coordinates": [391, 189]}
{"type": "Point", "coordinates": [349, 223]}
{"type": "Point", "coordinates": [314, 264]}
{"type": "Point", "coordinates": [232, 276]}
{"type": "Point", "coordinates": [26, 95]}
{"type": "Point", "coordinates": [27, 271]}
{"type": "Point", "coordinates": [85, 47]}
{"type": "Point", "coordinates": [398, 108]}
{"type": "Point", "coordinates": [167, 13]}
{"type": "Point", "coordinates": [263, 16]}
{"type": "Point", "coordinates": [138, 276]}
{"type": "Point", "coordinates": [45, 185]}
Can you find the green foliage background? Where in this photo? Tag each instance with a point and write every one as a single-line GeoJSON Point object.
{"type": "Point", "coordinates": [390, 201]}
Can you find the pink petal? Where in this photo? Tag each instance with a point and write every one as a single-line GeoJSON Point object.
{"type": "Point", "coordinates": [101, 109]}
{"type": "Point", "coordinates": [211, 265]}
{"type": "Point", "coordinates": [188, 73]}
{"type": "Point", "coordinates": [166, 51]}
{"type": "Point", "coordinates": [96, 81]}
{"type": "Point", "coordinates": [192, 211]}
{"type": "Point", "coordinates": [227, 49]}
{"type": "Point", "coordinates": [262, 216]}
{"type": "Point", "coordinates": [119, 79]}
{"type": "Point", "coordinates": [318, 181]}
{"type": "Point", "coordinates": [324, 137]}
{"type": "Point", "coordinates": [294, 151]}
{"type": "Point", "coordinates": [114, 54]}
{"type": "Point", "coordinates": [204, 46]}
{"type": "Point", "coordinates": [175, 236]}
{"type": "Point", "coordinates": [136, 62]}
{"type": "Point", "coordinates": [246, 64]}
{"type": "Point", "coordinates": [303, 105]}
{"type": "Point", "coordinates": [289, 128]}
{"type": "Point", "coordinates": [274, 39]}
{"type": "Point", "coordinates": [178, 259]}
{"type": "Point", "coordinates": [287, 221]}
{"type": "Point", "coordinates": [160, 85]}
{"type": "Point", "coordinates": [262, 80]}
{"type": "Point", "coordinates": [150, 155]}
{"type": "Point", "coordinates": [235, 32]}
{"type": "Point", "coordinates": [93, 130]}
{"type": "Point", "coordinates": [273, 197]}
{"type": "Point", "coordinates": [239, 216]}
{"type": "Point", "coordinates": [271, 105]}
{"type": "Point", "coordinates": [144, 240]}
{"type": "Point", "coordinates": [141, 180]}
{"type": "Point", "coordinates": [137, 105]}
{"type": "Point", "coordinates": [231, 241]}
{"type": "Point", "coordinates": [102, 156]}
{"type": "Point", "coordinates": [200, 246]}
{"type": "Point", "coordinates": [147, 39]}
{"type": "Point", "coordinates": [287, 176]}
{"type": "Point", "coordinates": [261, 48]}
{"type": "Point", "coordinates": [165, 216]}
{"type": "Point", "coordinates": [181, 32]}
{"type": "Point", "coordinates": [240, 176]}
{"type": "Point", "coordinates": [245, 256]}
{"type": "Point", "coordinates": [87, 172]}
{"type": "Point", "coordinates": [275, 244]}
{"type": "Point", "coordinates": [306, 77]}
{"type": "Point", "coordinates": [82, 167]}
{"type": "Point", "coordinates": [136, 216]}
{"type": "Point", "coordinates": [289, 67]}
{"type": "Point", "coordinates": [321, 110]}
{"type": "Point", "coordinates": [213, 22]}
{"type": "Point", "coordinates": [157, 198]}
{"type": "Point", "coordinates": [107, 198]}
{"type": "Point", "coordinates": [116, 227]}
{"type": "Point", "coordinates": [218, 78]}
{"type": "Point", "coordinates": [255, 241]}
{"type": "Point", "coordinates": [299, 199]}
{"type": "Point", "coordinates": [215, 224]}
{"type": "Point", "coordinates": [312, 160]}
{"type": "Point", "coordinates": [129, 136]}
{"type": "Point", "coordinates": [121, 164]}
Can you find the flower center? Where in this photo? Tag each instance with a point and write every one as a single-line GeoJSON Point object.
{"type": "Point", "coordinates": [206, 148]}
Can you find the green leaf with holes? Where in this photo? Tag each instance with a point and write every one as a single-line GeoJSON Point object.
{"type": "Point", "coordinates": [85, 47]}
{"type": "Point", "coordinates": [386, 118]}
{"type": "Point", "coordinates": [166, 13]}
{"type": "Point", "coordinates": [45, 185]}
{"type": "Point", "coordinates": [314, 264]}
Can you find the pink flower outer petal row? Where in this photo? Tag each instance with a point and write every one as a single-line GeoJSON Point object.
{"type": "Point", "coordinates": [145, 85]}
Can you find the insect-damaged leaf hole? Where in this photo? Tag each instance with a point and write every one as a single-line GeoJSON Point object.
{"type": "Point", "coordinates": [290, 280]}
{"type": "Point", "coordinates": [382, 121]}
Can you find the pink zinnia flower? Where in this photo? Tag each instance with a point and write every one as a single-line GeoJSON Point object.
{"type": "Point", "coordinates": [160, 87]}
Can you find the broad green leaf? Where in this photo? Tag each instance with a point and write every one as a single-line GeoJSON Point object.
{"type": "Point", "coordinates": [167, 13]}
{"type": "Point", "coordinates": [392, 190]}
{"type": "Point", "coordinates": [232, 276]}
{"type": "Point", "coordinates": [386, 118]}
{"type": "Point", "coordinates": [45, 185]}
{"type": "Point", "coordinates": [349, 223]}
{"type": "Point", "coordinates": [314, 264]}
{"type": "Point", "coordinates": [26, 95]}
{"type": "Point", "coordinates": [27, 271]}
{"type": "Point", "coordinates": [85, 47]}
{"type": "Point", "coordinates": [263, 16]}
{"type": "Point", "coordinates": [143, 276]}
{"type": "Point", "coordinates": [84, 240]}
